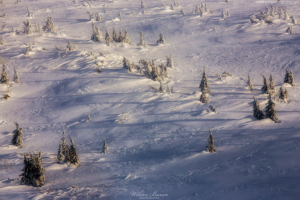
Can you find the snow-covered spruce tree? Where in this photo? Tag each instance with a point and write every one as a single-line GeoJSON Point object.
{"type": "Point", "coordinates": [105, 147]}
{"type": "Point", "coordinates": [49, 25]}
{"type": "Point", "coordinates": [206, 8]}
{"type": "Point", "coordinates": [120, 16]}
{"type": "Point", "coordinates": [107, 37]}
{"type": "Point", "coordinates": [97, 35]}
{"type": "Point", "coordinates": [16, 76]}
{"type": "Point", "coordinates": [74, 159]}
{"type": "Point", "coordinates": [271, 86]}
{"type": "Point", "coordinates": [170, 61]}
{"type": "Point", "coordinates": [71, 46]}
{"type": "Point", "coordinates": [294, 21]}
{"type": "Point", "coordinates": [283, 94]}
{"type": "Point", "coordinates": [120, 38]}
{"type": "Point", "coordinates": [33, 171]}
{"type": "Point", "coordinates": [250, 85]}
{"type": "Point", "coordinates": [142, 4]}
{"type": "Point", "coordinates": [204, 83]}
{"type": "Point", "coordinates": [161, 39]}
{"type": "Point", "coordinates": [2, 41]}
{"type": "Point", "coordinates": [286, 13]}
{"type": "Point", "coordinates": [161, 88]}
{"type": "Point", "coordinates": [98, 17]}
{"type": "Point", "coordinates": [280, 14]}
{"type": "Point", "coordinates": [256, 110]}
{"type": "Point", "coordinates": [65, 149]}
{"type": "Point", "coordinates": [270, 109]}
{"type": "Point", "coordinates": [126, 38]}
{"type": "Point", "coordinates": [142, 42]}
{"type": "Point", "coordinates": [211, 146]}
{"type": "Point", "coordinates": [115, 37]}
{"type": "Point", "coordinates": [265, 88]}
{"type": "Point", "coordinates": [60, 156]}
{"type": "Point", "coordinates": [17, 136]}
{"type": "Point", "coordinates": [29, 12]}
{"type": "Point", "coordinates": [197, 10]}
{"type": "Point", "coordinates": [91, 15]}
{"type": "Point", "coordinates": [289, 77]}
{"type": "Point", "coordinates": [4, 76]}
{"type": "Point", "coordinates": [289, 30]}
{"type": "Point", "coordinates": [27, 27]}
{"type": "Point", "coordinates": [204, 97]}
{"type": "Point", "coordinates": [182, 11]}
{"type": "Point", "coordinates": [163, 71]}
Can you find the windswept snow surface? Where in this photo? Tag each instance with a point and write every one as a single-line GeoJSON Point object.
{"type": "Point", "coordinates": [160, 153]}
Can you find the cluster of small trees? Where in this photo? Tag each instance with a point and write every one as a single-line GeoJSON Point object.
{"type": "Point", "coordinates": [67, 154]}
{"type": "Point", "coordinates": [4, 78]}
{"type": "Point", "coordinates": [204, 87]}
{"type": "Point", "coordinates": [201, 10]}
{"type": "Point", "coordinates": [94, 16]}
{"type": "Point", "coordinates": [270, 110]}
{"type": "Point", "coordinates": [49, 25]}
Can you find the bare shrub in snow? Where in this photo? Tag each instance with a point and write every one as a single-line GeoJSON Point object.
{"type": "Point", "coordinates": [33, 171]}
{"type": "Point", "coordinates": [123, 118]}
{"type": "Point", "coordinates": [49, 25]}
{"type": "Point", "coordinates": [17, 136]}
{"type": "Point", "coordinates": [105, 147]}
{"type": "Point", "coordinates": [161, 39]}
{"type": "Point", "coordinates": [71, 46]}
{"type": "Point", "coordinates": [250, 85]}
{"type": "Point", "coordinates": [211, 146]}
{"type": "Point", "coordinates": [16, 76]}
{"type": "Point", "coordinates": [256, 110]}
{"type": "Point", "coordinates": [289, 77]}
{"type": "Point", "coordinates": [270, 109]}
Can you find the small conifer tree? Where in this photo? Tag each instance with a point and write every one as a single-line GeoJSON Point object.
{"type": "Point", "coordinates": [182, 11]}
{"type": "Point", "coordinates": [2, 41]}
{"type": "Point", "coordinates": [270, 109]}
{"type": "Point", "coordinates": [161, 39]}
{"type": "Point", "coordinates": [211, 146]}
{"type": "Point", "coordinates": [27, 27]}
{"type": "Point", "coordinates": [250, 85]}
{"type": "Point", "coordinates": [16, 76]}
{"type": "Point", "coordinates": [289, 77]}
{"type": "Point", "coordinates": [105, 147]}
{"type": "Point", "coordinates": [161, 88]}
{"type": "Point", "coordinates": [126, 38]}
{"type": "Point", "coordinates": [204, 97]}
{"type": "Point", "coordinates": [265, 88]}
{"type": "Point", "coordinates": [283, 94]}
{"type": "Point", "coordinates": [142, 42]}
{"type": "Point", "coordinates": [120, 16]}
{"type": "Point", "coordinates": [60, 155]}
{"type": "Point", "coordinates": [256, 110]}
{"type": "Point", "coordinates": [142, 4]}
{"type": "Point", "coordinates": [294, 21]}
{"type": "Point", "coordinates": [115, 37]}
{"type": "Point", "coordinates": [107, 37]}
{"type": "Point", "coordinates": [17, 136]}
{"type": "Point", "coordinates": [120, 38]}
{"type": "Point", "coordinates": [204, 84]}
{"type": "Point", "coordinates": [49, 25]}
{"type": "Point", "coordinates": [33, 171]}
{"type": "Point", "coordinates": [272, 85]}
{"type": "Point", "coordinates": [74, 159]}
{"type": "Point", "coordinates": [65, 149]}
{"type": "Point", "coordinates": [4, 76]}
{"type": "Point", "coordinates": [170, 61]}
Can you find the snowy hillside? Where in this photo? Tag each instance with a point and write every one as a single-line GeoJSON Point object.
{"type": "Point", "coordinates": [158, 150]}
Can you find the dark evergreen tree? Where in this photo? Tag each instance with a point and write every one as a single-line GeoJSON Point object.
{"type": "Point", "coordinates": [4, 76]}
{"type": "Point", "coordinates": [204, 98]}
{"type": "Point", "coordinates": [74, 159]}
{"type": "Point", "coordinates": [115, 37]}
{"type": "Point", "coordinates": [204, 84]}
{"type": "Point", "coordinates": [211, 147]}
{"type": "Point", "coordinates": [265, 88]}
{"type": "Point", "coordinates": [283, 94]}
{"type": "Point", "coordinates": [289, 77]}
{"type": "Point", "coordinates": [271, 85]}
{"type": "Point", "coordinates": [17, 136]}
{"type": "Point", "coordinates": [270, 109]}
{"type": "Point", "coordinates": [33, 171]}
{"type": "Point", "coordinates": [65, 149]}
{"type": "Point", "coordinates": [256, 110]}
{"type": "Point", "coordinates": [107, 37]}
{"type": "Point", "coordinates": [250, 85]}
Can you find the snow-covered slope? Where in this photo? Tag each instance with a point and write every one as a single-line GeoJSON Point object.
{"type": "Point", "coordinates": [163, 149]}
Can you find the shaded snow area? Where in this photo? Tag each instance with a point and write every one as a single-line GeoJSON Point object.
{"type": "Point", "coordinates": [156, 142]}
